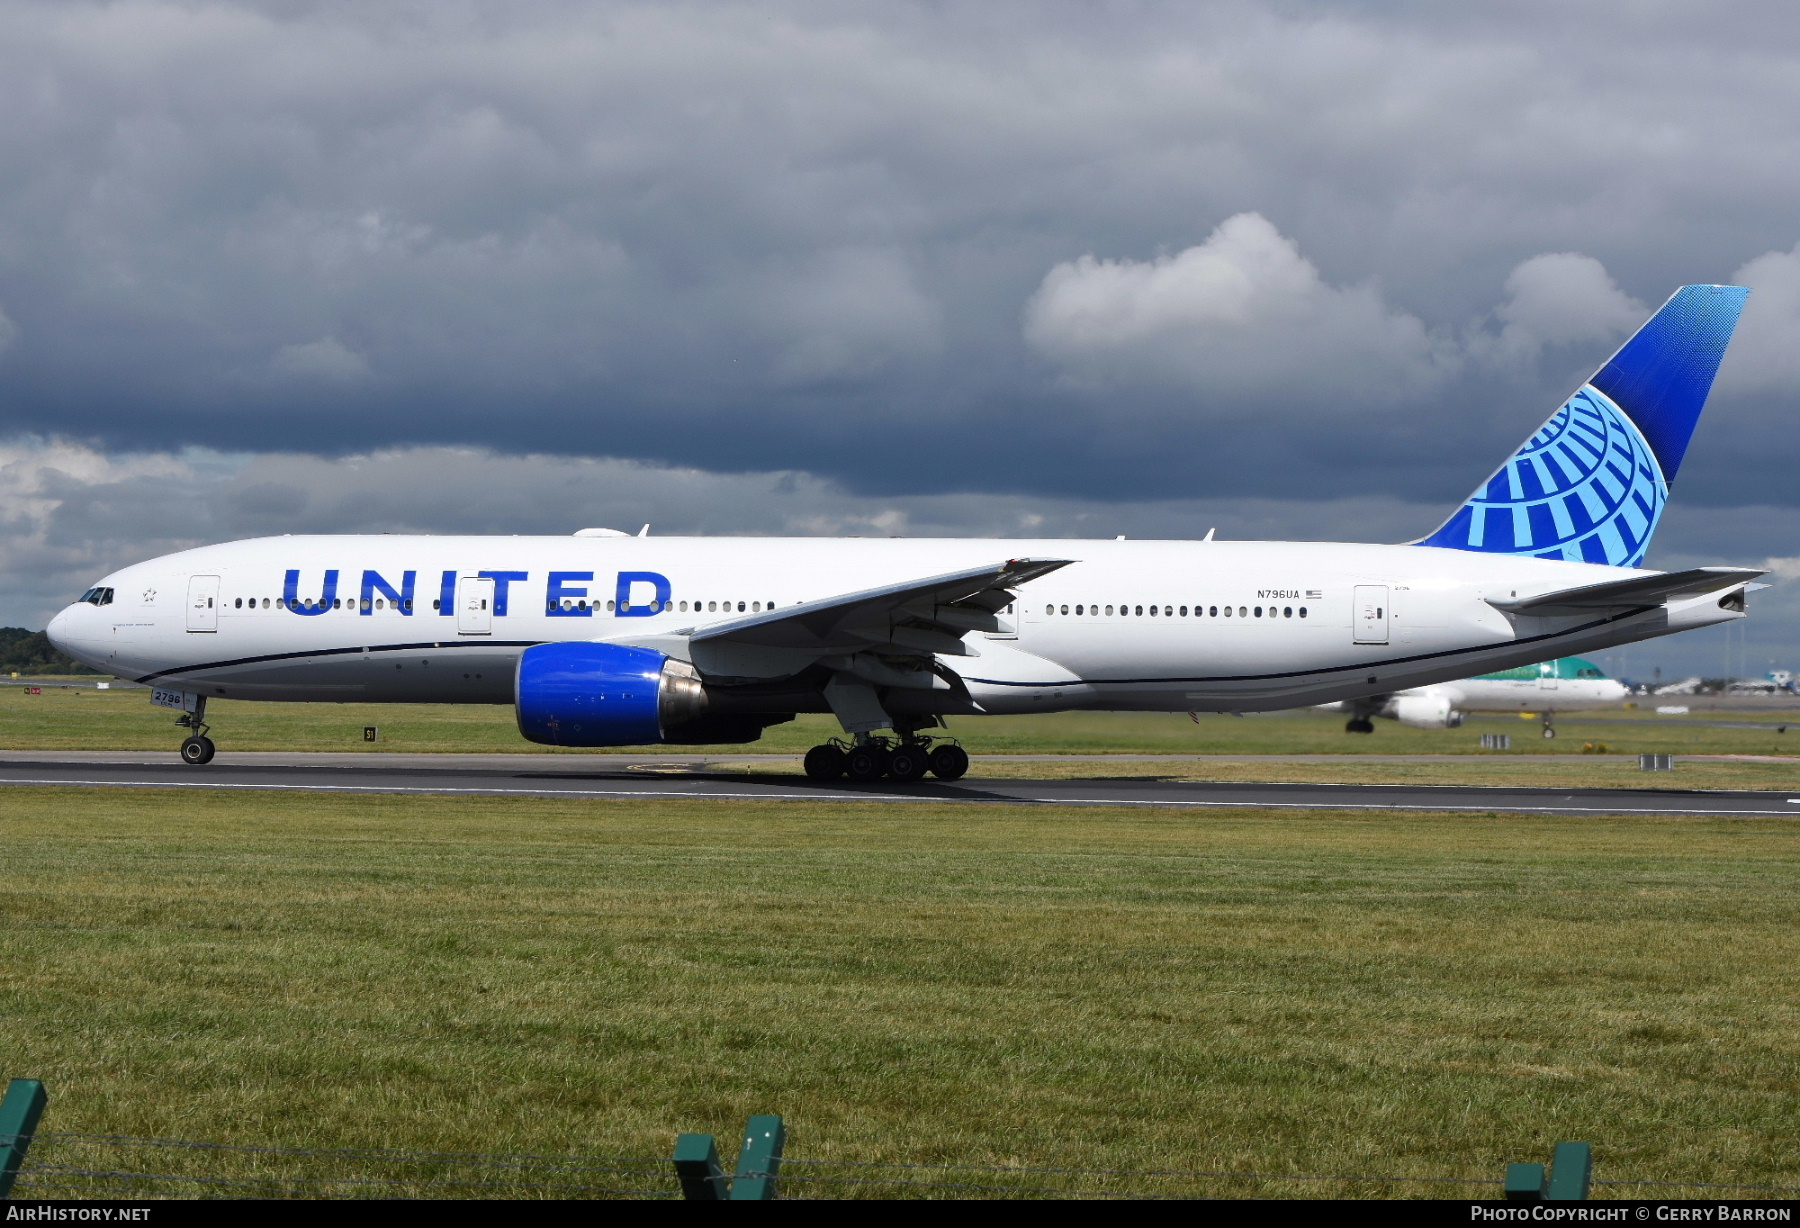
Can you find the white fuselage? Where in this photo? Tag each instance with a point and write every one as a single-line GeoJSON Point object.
{"type": "Point", "coordinates": [1532, 694]}
{"type": "Point", "coordinates": [1338, 621]}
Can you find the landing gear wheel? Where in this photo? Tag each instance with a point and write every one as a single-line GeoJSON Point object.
{"type": "Point", "coordinates": [949, 762]}
{"type": "Point", "coordinates": [866, 762]}
{"type": "Point", "coordinates": [197, 750]}
{"type": "Point", "coordinates": [908, 762]}
{"type": "Point", "coordinates": [1549, 731]}
{"type": "Point", "coordinates": [825, 762]}
{"type": "Point", "coordinates": [1359, 725]}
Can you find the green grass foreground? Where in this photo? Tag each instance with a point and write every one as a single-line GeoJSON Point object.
{"type": "Point", "coordinates": [1419, 995]}
{"type": "Point", "coordinates": [86, 719]}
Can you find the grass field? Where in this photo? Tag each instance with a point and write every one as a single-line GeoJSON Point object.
{"type": "Point", "coordinates": [125, 720]}
{"type": "Point", "coordinates": [1320, 993]}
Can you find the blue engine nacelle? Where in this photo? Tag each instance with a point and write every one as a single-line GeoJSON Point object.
{"type": "Point", "coordinates": [584, 694]}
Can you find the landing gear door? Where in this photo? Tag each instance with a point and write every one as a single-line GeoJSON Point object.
{"type": "Point", "coordinates": [474, 605]}
{"type": "Point", "coordinates": [1371, 613]}
{"type": "Point", "coordinates": [203, 603]}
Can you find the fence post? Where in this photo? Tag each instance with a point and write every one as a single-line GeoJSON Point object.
{"type": "Point", "coordinates": [697, 1164]}
{"type": "Point", "coordinates": [1524, 1183]}
{"type": "Point", "coordinates": [19, 1114]}
{"type": "Point", "coordinates": [759, 1159]}
{"type": "Point", "coordinates": [1571, 1168]}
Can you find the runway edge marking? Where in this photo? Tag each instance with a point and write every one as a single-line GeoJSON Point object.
{"type": "Point", "coordinates": [422, 790]}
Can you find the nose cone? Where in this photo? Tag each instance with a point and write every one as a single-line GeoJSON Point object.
{"type": "Point", "coordinates": [77, 632]}
{"type": "Point", "coordinates": [1614, 689]}
{"type": "Point", "coordinates": [58, 630]}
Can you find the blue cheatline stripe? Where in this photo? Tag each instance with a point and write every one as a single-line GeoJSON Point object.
{"type": "Point", "coordinates": [1304, 673]}
{"type": "Point", "coordinates": [333, 652]}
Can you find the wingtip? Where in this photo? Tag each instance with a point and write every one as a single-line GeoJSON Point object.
{"type": "Point", "coordinates": [1017, 571]}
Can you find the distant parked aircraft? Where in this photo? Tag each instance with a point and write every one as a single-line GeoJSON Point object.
{"type": "Point", "coordinates": [1569, 684]}
{"type": "Point", "coordinates": [1775, 682]}
{"type": "Point", "coordinates": [1687, 686]}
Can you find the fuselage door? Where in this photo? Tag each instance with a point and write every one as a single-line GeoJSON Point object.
{"type": "Point", "coordinates": [203, 603]}
{"type": "Point", "coordinates": [474, 605]}
{"type": "Point", "coordinates": [1547, 676]}
{"type": "Point", "coordinates": [1371, 611]}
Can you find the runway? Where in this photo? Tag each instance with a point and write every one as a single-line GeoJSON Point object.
{"type": "Point", "coordinates": [617, 777]}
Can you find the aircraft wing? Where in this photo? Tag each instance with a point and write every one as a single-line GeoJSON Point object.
{"type": "Point", "coordinates": [930, 615]}
{"type": "Point", "coordinates": [1639, 592]}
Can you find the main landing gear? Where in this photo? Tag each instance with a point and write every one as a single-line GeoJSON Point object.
{"type": "Point", "coordinates": [198, 748]}
{"type": "Point", "coordinates": [1359, 724]}
{"type": "Point", "coordinates": [871, 758]}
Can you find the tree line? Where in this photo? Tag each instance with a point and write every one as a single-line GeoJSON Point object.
{"type": "Point", "coordinates": [30, 652]}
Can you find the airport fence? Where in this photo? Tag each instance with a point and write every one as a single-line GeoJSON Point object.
{"type": "Point", "coordinates": [48, 1165]}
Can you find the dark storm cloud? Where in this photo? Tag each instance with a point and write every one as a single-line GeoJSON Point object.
{"type": "Point", "coordinates": [912, 248]}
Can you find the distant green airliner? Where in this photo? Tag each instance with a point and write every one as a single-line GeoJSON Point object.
{"type": "Point", "coordinates": [1568, 684]}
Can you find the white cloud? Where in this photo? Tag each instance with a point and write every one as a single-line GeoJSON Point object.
{"type": "Point", "coordinates": [1243, 313]}
{"type": "Point", "coordinates": [1563, 297]}
{"type": "Point", "coordinates": [326, 359]}
{"type": "Point", "coordinates": [47, 489]}
{"type": "Point", "coordinates": [1765, 352]}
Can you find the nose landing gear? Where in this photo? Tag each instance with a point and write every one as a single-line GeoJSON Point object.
{"type": "Point", "coordinates": [198, 748]}
{"type": "Point", "coordinates": [871, 758]}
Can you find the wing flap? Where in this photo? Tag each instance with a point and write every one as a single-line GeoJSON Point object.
{"type": "Point", "coordinates": [1638, 592]}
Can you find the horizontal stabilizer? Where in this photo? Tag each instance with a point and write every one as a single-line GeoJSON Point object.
{"type": "Point", "coordinates": [1639, 592]}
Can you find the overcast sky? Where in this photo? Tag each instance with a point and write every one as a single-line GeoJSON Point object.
{"type": "Point", "coordinates": [1287, 269]}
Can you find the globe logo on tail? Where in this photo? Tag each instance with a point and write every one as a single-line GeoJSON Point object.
{"type": "Point", "coordinates": [1586, 488]}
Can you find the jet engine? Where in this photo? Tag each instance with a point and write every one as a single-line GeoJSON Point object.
{"type": "Point", "coordinates": [1427, 711]}
{"type": "Point", "coordinates": [585, 694]}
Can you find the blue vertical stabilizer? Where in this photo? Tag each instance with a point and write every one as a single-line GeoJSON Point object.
{"type": "Point", "coordinates": [1591, 483]}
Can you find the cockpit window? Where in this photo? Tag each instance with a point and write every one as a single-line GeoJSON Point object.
{"type": "Point", "coordinates": [97, 596]}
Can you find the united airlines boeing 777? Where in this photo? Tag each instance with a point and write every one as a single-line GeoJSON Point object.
{"type": "Point", "coordinates": [600, 639]}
